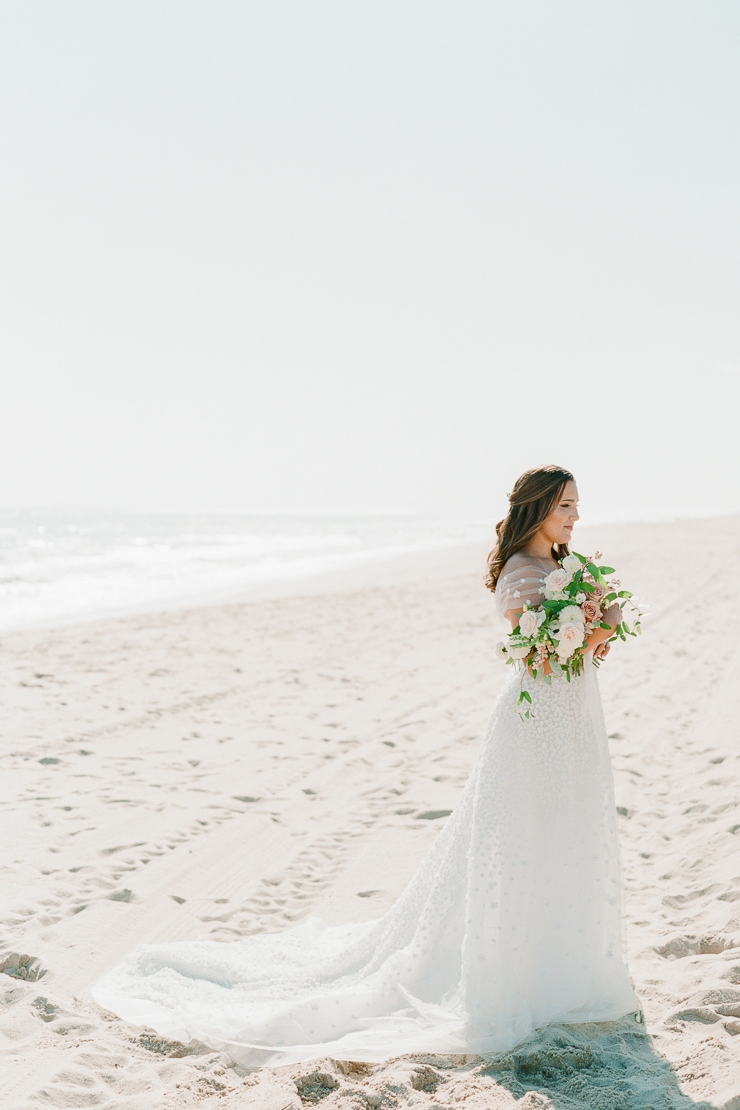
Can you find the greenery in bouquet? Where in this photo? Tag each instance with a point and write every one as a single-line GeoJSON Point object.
{"type": "Point", "coordinates": [577, 595]}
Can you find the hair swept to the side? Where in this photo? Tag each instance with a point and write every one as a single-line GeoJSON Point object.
{"type": "Point", "coordinates": [531, 501]}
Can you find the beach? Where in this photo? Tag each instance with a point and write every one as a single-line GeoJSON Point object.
{"type": "Point", "coordinates": [213, 770]}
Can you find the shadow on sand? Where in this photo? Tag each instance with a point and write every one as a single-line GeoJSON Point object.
{"type": "Point", "coordinates": [611, 1065]}
{"type": "Point", "coordinates": [604, 1066]}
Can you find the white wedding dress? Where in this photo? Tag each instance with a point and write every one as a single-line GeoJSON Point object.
{"type": "Point", "coordinates": [511, 923]}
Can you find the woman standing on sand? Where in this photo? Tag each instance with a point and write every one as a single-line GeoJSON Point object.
{"type": "Point", "coordinates": [511, 923]}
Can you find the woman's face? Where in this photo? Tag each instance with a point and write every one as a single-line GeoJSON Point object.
{"type": "Point", "coordinates": [558, 528]}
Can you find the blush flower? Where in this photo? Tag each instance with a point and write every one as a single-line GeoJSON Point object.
{"type": "Point", "coordinates": [591, 610]}
{"type": "Point", "coordinates": [556, 582]}
{"type": "Point", "coordinates": [570, 637]}
{"type": "Point", "coordinates": [528, 623]}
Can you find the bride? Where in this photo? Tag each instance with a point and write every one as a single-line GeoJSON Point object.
{"type": "Point", "coordinates": [511, 923]}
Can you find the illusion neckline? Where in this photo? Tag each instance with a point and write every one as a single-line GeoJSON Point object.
{"type": "Point", "coordinates": [535, 558]}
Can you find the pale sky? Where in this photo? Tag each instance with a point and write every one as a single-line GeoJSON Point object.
{"type": "Point", "coordinates": [369, 255]}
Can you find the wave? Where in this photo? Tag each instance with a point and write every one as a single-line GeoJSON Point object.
{"type": "Point", "coordinates": [58, 567]}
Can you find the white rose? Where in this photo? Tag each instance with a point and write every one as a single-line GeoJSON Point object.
{"type": "Point", "coordinates": [528, 622]}
{"type": "Point", "coordinates": [571, 563]}
{"type": "Point", "coordinates": [570, 637]}
{"type": "Point", "coordinates": [580, 598]}
{"type": "Point", "coordinates": [571, 614]}
{"type": "Point", "coordinates": [501, 652]}
{"type": "Point", "coordinates": [556, 582]}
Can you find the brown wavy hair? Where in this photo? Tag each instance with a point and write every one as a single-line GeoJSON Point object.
{"type": "Point", "coordinates": [531, 501]}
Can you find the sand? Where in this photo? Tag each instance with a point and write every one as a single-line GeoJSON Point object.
{"type": "Point", "coordinates": [211, 771]}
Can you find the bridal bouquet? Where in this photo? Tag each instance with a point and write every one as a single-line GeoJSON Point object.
{"type": "Point", "coordinates": [576, 595]}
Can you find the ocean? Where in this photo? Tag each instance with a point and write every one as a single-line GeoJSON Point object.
{"type": "Point", "coordinates": [62, 566]}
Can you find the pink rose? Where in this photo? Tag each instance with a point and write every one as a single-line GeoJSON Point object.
{"type": "Point", "coordinates": [597, 593]}
{"type": "Point", "coordinates": [556, 581]}
{"type": "Point", "coordinates": [591, 609]}
{"type": "Point", "coordinates": [528, 622]}
{"type": "Point", "coordinates": [569, 638]}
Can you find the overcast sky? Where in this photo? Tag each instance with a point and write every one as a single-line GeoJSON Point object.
{"type": "Point", "coordinates": [369, 256]}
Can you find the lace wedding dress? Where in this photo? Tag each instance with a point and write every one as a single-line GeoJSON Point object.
{"type": "Point", "coordinates": [511, 923]}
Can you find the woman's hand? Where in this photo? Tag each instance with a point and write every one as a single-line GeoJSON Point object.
{"type": "Point", "coordinates": [598, 640]}
{"type": "Point", "coordinates": [613, 614]}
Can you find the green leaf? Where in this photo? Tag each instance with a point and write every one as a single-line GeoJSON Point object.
{"type": "Point", "coordinates": [607, 570]}
{"type": "Point", "coordinates": [548, 680]}
{"type": "Point", "coordinates": [593, 569]}
{"type": "Point", "coordinates": [603, 624]}
{"type": "Point", "coordinates": [583, 558]}
{"type": "Point", "coordinates": [624, 593]}
{"type": "Point", "coordinates": [527, 695]}
{"type": "Point", "coordinates": [610, 597]}
{"type": "Point", "coordinates": [557, 669]}
{"type": "Point", "coordinates": [587, 587]}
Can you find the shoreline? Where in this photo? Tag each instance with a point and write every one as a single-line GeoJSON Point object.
{"type": "Point", "coordinates": [368, 569]}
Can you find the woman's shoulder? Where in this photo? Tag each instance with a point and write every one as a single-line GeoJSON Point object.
{"type": "Point", "coordinates": [522, 563]}
{"type": "Point", "coordinates": [521, 580]}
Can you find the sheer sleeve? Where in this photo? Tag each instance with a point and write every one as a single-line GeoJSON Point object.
{"type": "Point", "coordinates": [520, 581]}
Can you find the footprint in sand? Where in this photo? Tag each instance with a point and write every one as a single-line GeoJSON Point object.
{"type": "Point", "coordinates": [21, 966]}
{"type": "Point", "coordinates": [695, 1013]}
{"type": "Point", "coordinates": [679, 948]}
